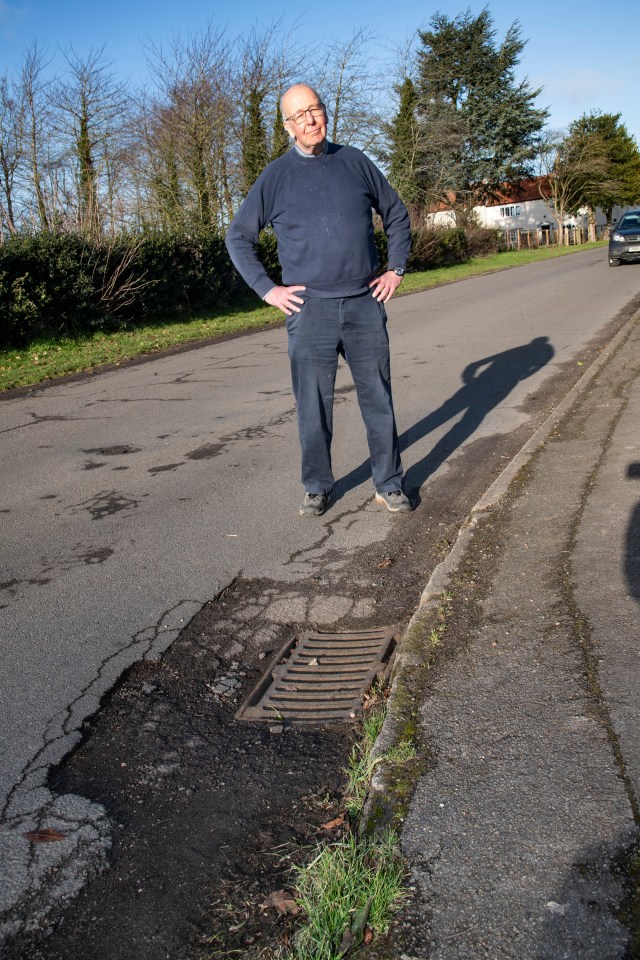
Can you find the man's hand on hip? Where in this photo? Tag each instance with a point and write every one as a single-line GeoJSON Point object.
{"type": "Point", "coordinates": [384, 287]}
{"type": "Point", "coordinates": [284, 298]}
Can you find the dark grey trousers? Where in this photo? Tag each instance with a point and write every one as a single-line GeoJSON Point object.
{"type": "Point", "coordinates": [354, 327]}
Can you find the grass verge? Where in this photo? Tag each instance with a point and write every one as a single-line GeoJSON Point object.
{"type": "Point", "coordinates": [363, 760]}
{"type": "Point", "coordinates": [49, 359]}
{"type": "Point", "coordinates": [413, 282]}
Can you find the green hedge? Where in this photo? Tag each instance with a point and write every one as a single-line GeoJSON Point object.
{"type": "Point", "coordinates": [61, 285]}
{"type": "Point", "coordinates": [443, 247]}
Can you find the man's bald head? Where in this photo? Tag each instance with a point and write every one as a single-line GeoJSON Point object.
{"type": "Point", "coordinates": [305, 119]}
{"type": "Point", "coordinates": [295, 94]}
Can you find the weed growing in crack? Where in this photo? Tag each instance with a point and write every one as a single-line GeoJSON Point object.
{"type": "Point", "coordinates": [361, 764]}
{"type": "Point", "coordinates": [401, 753]}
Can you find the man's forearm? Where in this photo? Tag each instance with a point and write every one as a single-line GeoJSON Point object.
{"type": "Point", "coordinates": [242, 250]}
{"type": "Point", "coordinates": [398, 230]}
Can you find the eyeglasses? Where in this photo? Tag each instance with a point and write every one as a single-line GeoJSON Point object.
{"type": "Point", "coordinates": [317, 110]}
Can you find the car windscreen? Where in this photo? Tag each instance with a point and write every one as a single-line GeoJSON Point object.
{"type": "Point", "coordinates": [629, 223]}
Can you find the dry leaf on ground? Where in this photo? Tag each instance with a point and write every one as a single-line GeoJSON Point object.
{"type": "Point", "coordinates": [332, 824]}
{"type": "Point", "coordinates": [282, 901]}
{"type": "Point", "coordinates": [45, 835]}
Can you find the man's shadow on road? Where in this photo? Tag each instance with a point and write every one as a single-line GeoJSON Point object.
{"type": "Point", "coordinates": [486, 383]}
{"type": "Point", "coordinates": [632, 541]}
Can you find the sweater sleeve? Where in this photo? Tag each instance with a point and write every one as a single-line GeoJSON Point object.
{"type": "Point", "coordinates": [395, 218]}
{"type": "Point", "coordinates": [242, 238]}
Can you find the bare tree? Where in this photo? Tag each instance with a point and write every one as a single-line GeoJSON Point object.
{"type": "Point", "coordinates": [212, 122]}
{"type": "Point", "coordinates": [351, 85]}
{"type": "Point", "coordinates": [268, 63]}
{"type": "Point", "coordinates": [38, 144]}
{"type": "Point", "coordinates": [92, 109]}
{"type": "Point", "coordinates": [571, 167]}
{"type": "Point", "coordinates": [257, 76]}
{"type": "Point", "coordinates": [11, 153]}
{"type": "Point", "coordinates": [189, 120]}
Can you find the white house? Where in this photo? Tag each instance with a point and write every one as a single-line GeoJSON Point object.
{"type": "Point", "coordinates": [520, 208]}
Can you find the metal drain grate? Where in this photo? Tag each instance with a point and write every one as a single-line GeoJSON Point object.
{"type": "Point", "coordinates": [322, 677]}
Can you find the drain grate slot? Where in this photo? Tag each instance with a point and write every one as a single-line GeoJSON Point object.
{"type": "Point", "coordinates": [321, 677]}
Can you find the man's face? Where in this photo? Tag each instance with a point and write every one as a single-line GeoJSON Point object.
{"type": "Point", "coordinates": [309, 131]}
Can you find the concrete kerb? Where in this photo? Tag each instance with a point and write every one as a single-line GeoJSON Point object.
{"type": "Point", "coordinates": [386, 805]}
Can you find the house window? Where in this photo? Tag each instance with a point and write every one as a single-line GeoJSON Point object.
{"type": "Point", "coordinates": [513, 210]}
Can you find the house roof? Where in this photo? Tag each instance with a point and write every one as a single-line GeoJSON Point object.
{"type": "Point", "coordinates": [519, 192]}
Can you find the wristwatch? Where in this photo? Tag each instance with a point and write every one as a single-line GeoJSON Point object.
{"type": "Point", "coordinates": [399, 271]}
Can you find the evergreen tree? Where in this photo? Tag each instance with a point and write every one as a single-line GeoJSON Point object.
{"type": "Point", "coordinates": [255, 154]}
{"type": "Point", "coordinates": [481, 123]}
{"type": "Point", "coordinates": [404, 137]}
{"type": "Point", "coordinates": [620, 182]}
{"type": "Point", "coordinates": [280, 141]}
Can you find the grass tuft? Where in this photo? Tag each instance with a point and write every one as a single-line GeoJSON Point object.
{"type": "Point", "coordinates": [351, 878]}
{"type": "Point", "coordinates": [361, 764]}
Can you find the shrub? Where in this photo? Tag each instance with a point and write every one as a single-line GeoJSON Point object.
{"type": "Point", "coordinates": [453, 246]}
{"type": "Point", "coordinates": [482, 241]}
{"type": "Point", "coordinates": [46, 287]}
{"type": "Point", "coordinates": [424, 249]}
{"type": "Point", "coordinates": [381, 247]}
{"type": "Point", "coordinates": [62, 284]}
{"type": "Point", "coordinates": [438, 247]}
{"type": "Point", "coordinates": [268, 253]}
{"type": "Point", "coordinates": [184, 273]}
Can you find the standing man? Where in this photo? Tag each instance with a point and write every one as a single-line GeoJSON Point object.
{"type": "Point", "coordinates": [318, 199]}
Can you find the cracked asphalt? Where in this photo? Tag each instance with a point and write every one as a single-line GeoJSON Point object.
{"type": "Point", "coordinates": [135, 497]}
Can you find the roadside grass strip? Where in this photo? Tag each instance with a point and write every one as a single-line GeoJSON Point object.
{"type": "Point", "coordinates": [505, 260]}
{"type": "Point", "coordinates": [51, 358]}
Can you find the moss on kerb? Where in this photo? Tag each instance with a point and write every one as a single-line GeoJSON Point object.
{"type": "Point", "coordinates": [422, 647]}
{"type": "Point", "coordinates": [394, 783]}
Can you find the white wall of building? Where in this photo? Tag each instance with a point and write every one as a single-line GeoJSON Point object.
{"type": "Point", "coordinates": [524, 215]}
{"type": "Point", "coordinates": [529, 215]}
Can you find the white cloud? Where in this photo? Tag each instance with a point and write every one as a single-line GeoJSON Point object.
{"type": "Point", "coordinates": [579, 85]}
{"type": "Point", "coordinates": [11, 14]}
{"type": "Point", "coordinates": [569, 93]}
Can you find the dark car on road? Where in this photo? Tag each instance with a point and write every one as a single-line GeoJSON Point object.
{"type": "Point", "coordinates": [624, 239]}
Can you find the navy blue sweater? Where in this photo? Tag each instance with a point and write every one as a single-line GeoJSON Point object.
{"type": "Point", "coordinates": [320, 211]}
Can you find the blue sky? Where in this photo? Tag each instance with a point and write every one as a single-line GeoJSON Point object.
{"type": "Point", "coordinates": [584, 53]}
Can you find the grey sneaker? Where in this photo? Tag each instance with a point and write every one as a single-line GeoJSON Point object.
{"type": "Point", "coordinates": [314, 504]}
{"type": "Point", "coordinates": [394, 500]}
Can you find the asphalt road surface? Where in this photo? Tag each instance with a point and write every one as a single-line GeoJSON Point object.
{"type": "Point", "coordinates": [131, 497]}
